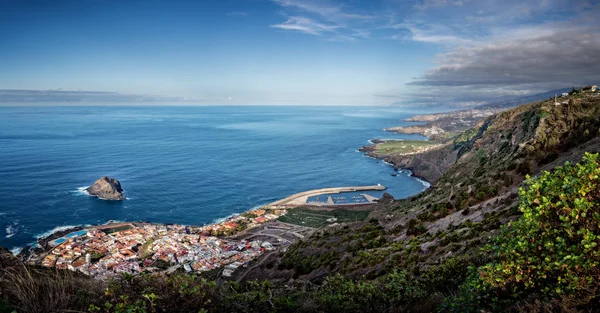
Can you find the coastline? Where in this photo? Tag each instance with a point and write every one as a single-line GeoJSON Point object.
{"type": "Point", "coordinates": [369, 151]}
{"type": "Point", "coordinates": [226, 227]}
{"type": "Point", "coordinates": [42, 241]}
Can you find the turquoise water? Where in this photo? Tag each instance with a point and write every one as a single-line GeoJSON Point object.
{"type": "Point", "coordinates": [76, 234]}
{"type": "Point", "coordinates": [189, 165]}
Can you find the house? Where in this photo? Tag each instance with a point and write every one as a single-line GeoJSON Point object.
{"type": "Point", "coordinates": [78, 263]}
{"type": "Point", "coordinates": [230, 225]}
{"type": "Point", "coordinates": [260, 219]}
{"type": "Point", "coordinates": [589, 88]}
{"type": "Point", "coordinates": [49, 260]}
{"type": "Point", "coordinates": [565, 94]}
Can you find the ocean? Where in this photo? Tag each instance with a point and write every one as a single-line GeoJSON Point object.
{"type": "Point", "coordinates": [178, 164]}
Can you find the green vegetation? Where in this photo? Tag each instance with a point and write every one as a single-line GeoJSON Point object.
{"type": "Point", "coordinates": [393, 147]}
{"type": "Point", "coordinates": [317, 219]}
{"type": "Point", "coordinates": [551, 250]}
{"type": "Point", "coordinates": [110, 230]}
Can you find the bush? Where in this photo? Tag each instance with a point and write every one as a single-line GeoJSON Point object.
{"type": "Point", "coordinates": [553, 248]}
{"type": "Point", "coordinates": [390, 294]}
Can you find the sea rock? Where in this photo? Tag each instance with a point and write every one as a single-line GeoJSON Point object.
{"type": "Point", "coordinates": [106, 188]}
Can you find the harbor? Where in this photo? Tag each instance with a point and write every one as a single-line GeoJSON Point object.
{"type": "Point", "coordinates": [329, 197]}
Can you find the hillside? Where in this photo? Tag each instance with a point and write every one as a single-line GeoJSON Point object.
{"type": "Point", "coordinates": [410, 255]}
{"type": "Point", "coordinates": [446, 125]}
{"type": "Point", "coordinates": [477, 192]}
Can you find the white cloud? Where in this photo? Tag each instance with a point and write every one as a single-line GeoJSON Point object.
{"type": "Point", "coordinates": [428, 4]}
{"type": "Point", "coordinates": [305, 25]}
{"type": "Point", "coordinates": [553, 58]}
{"type": "Point", "coordinates": [432, 33]}
{"type": "Point", "coordinates": [319, 17]}
{"type": "Point", "coordinates": [237, 13]}
{"type": "Point", "coordinates": [324, 9]}
{"type": "Point", "coordinates": [493, 48]}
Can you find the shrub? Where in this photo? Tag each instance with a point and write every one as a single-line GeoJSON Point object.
{"type": "Point", "coordinates": [553, 247]}
{"type": "Point", "coordinates": [394, 291]}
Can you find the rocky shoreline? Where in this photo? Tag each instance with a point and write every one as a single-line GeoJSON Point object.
{"type": "Point", "coordinates": [398, 163]}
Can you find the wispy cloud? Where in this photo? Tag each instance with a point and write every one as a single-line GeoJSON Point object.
{"type": "Point", "coordinates": [305, 25]}
{"type": "Point", "coordinates": [432, 33]}
{"type": "Point", "coordinates": [428, 4]}
{"type": "Point", "coordinates": [325, 9]}
{"type": "Point", "coordinates": [237, 13]}
{"type": "Point", "coordinates": [324, 17]}
{"type": "Point", "coordinates": [491, 48]}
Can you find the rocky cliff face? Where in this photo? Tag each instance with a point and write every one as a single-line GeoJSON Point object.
{"type": "Point", "coordinates": [106, 188]}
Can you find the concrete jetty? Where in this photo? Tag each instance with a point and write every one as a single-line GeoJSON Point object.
{"type": "Point", "coordinates": [301, 198]}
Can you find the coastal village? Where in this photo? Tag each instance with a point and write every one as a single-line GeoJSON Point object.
{"type": "Point", "coordinates": [131, 248]}
{"type": "Point", "coordinates": [109, 250]}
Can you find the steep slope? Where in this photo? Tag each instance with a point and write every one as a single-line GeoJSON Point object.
{"type": "Point", "coordinates": [480, 172]}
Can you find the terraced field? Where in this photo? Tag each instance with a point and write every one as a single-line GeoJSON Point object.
{"type": "Point", "coordinates": [312, 218]}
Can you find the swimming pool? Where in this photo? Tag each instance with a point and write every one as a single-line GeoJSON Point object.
{"type": "Point", "coordinates": [64, 238]}
{"type": "Point", "coordinates": [76, 234]}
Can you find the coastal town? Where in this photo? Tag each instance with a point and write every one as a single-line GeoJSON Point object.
{"type": "Point", "coordinates": [130, 248]}
{"type": "Point", "coordinates": [110, 250]}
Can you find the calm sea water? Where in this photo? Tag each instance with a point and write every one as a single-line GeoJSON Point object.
{"type": "Point", "coordinates": [188, 165]}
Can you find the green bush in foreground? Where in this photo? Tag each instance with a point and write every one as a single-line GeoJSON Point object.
{"type": "Point", "coordinates": [552, 249]}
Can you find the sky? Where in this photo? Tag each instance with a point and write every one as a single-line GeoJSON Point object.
{"type": "Point", "coordinates": [295, 52]}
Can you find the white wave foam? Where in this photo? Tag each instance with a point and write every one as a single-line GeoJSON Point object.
{"type": "Point", "coordinates": [16, 250]}
{"type": "Point", "coordinates": [223, 219]}
{"type": "Point", "coordinates": [425, 183]}
{"type": "Point", "coordinates": [54, 230]}
{"type": "Point", "coordinates": [112, 222]}
{"type": "Point", "coordinates": [124, 198]}
{"type": "Point", "coordinates": [82, 191]}
{"type": "Point", "coordinates": [10, 231]}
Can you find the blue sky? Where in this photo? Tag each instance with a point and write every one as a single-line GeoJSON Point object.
{"type": "Point", "coordinates": [300, 52]}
